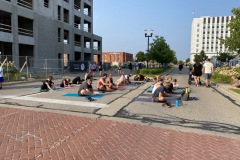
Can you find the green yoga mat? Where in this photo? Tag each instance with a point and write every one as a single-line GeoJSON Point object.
{"type": "Point", "coordinates": [76, 95]}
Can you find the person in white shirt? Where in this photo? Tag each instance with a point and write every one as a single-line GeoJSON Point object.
{"type": "Point", "coordinates": [1, 75]}
{"type": "Point", "coordinates": [208, 71]}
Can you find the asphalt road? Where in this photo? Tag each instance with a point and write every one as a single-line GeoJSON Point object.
{"type": "Point", "coordinates": [120, 125]}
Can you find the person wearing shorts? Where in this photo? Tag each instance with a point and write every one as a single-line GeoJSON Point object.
{"type": "Point", "coordinates": [100, 68]}
{"type": "Point", "coordinates": [197, 73]}
{"type": "Point", "coordinates": [119, 69]}
{"type": "Point", "coordinates": [85, 89]}
{"type": "Point", "coordinates": [159, 94]}
{"type": "Point", "coordinates": [102, 85]}
{"type": "Point", "coordinates": [93, 68]}
{"type": "Point", "coordinates": [1, 75]}
{"type": "Point", "coordinates": [207, 70]}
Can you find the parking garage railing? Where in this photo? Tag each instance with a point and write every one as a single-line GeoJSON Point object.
{"type": "Point", "coordinates": [5, 28]}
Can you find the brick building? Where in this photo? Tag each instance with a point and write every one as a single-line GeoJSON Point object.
{"type": "Point", "coordinates": [121, 57]}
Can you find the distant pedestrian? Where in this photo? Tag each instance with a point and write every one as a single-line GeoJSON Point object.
{"type": "Point", "coordinates": [208, 71]}
{"type": "Point", "coordinates": [93, 68]}
{"type": "Point", "coordinates": [130, 67]}
{"type": "Point", "coordinates": [180, 67]}
{"type": "Point", "coordinates": [238, 64]}
{"type": "Point", "coordinates": [1, 75]}
{"type": "Point", "coordinates": [100, 68]}
{"type": "Point", "coordinates": [197, 72]}
{"type": "Point", "coordinates": [119, 69]}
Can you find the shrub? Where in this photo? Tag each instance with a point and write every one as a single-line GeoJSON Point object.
{"type": "Point", "coordinates": [10, 67]}
{"type": "Point", "coordinates": [145, 71]}
{"type": "Point", "coordinates": [216, 77]}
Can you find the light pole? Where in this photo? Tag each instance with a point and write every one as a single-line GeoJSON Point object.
{"type": "Point", "coordinates": [148, 33]}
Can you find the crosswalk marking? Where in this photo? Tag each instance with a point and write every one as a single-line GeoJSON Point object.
{"type": "Point", "coordinates": [57, 101]}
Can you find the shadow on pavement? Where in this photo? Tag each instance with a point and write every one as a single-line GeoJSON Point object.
{"type": "Point", "coordinates": [182, 122]}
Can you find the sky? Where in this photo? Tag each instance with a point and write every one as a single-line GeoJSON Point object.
{"type": "Point", "coordinates": [121, 23]}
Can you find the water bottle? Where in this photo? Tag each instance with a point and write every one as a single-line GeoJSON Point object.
{"type": "Point", "coordinates": [177, 103]}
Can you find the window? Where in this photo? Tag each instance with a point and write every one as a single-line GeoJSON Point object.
{"type": "Point", "coordinates": [66, 15]}
{"type": "Point", "coordinates": [66, 37]}
{"type": "Point", "coordinates": [46, 3]}
{"type": "Point", "coordinates": [66, 1]}
{"type": "Point", "coordinates": [59, 13]}
{"type": "Point", "coordinates": [59, 34]}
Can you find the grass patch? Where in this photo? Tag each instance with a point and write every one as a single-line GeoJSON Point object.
{"type": "Point", "coordinates": [235, 90]}
{"type": "Point", "coordinates": [219, 78]}
{"type": "Point", "coordinates": [151, 71]}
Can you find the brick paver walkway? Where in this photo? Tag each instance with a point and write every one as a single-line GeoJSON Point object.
{"type": "Point", "coordinates": [31, 135]}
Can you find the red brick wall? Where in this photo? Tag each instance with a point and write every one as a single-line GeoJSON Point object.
{"type": "Point", "coordinates": [116, 57]}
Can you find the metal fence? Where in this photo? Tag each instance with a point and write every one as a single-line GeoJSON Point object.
{"type": "Point", "coordinates": [31, 67]}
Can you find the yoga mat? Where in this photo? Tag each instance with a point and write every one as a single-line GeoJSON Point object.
{"type": "Point", "coordinates": [56, 89]}
{"type": "Point", "coordinates": [150, 89]}
{"type": "Point", "coordinates": [170, 101]}
{"type": "Point", "coordinates": [143, 99]}
{"type": "Point", "coordinates": [76, 95]}
{"type": "Point", "coordinates": [121, 88]}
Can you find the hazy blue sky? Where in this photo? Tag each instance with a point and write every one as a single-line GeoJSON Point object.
{"type": "Point", "coordinates": [121, 23]}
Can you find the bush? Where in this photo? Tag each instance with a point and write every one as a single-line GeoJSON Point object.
{"type": "Point", "coordinates": [216, 77]}
{"type": "Point", "coordinates": [151, 72]}
{"type": "Point", "coordinates": [10, 67]}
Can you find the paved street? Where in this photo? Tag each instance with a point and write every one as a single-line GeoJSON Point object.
{"type": "Point", "coordinates": [51, 126]}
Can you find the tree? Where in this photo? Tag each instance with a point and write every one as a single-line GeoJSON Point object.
{"type": "Point", "coordinates": [223, 57]}
{"type": "Point", "coordinates": [187, 60]}
{"type": "Point", "coordinates": [140, 56]}
{"type": "Point", "coordinates": [160, 51]}
{"type": "Point", "coordinates": [233, 42]}
{"type": "Point", "coordinates": [200, 57]}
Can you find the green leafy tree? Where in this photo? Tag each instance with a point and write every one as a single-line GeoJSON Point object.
{"type": "Point", "coordinates": [223, 57]}
{"type": "Point", "coordinates": [233, 42]}
{"type": "Point", "coordinates": [200, 57]}
{"type": "Point", "coordinates": [175, 61]}
{"type": "Point", "coordinates": [140, 56]}
{"type": "Point", "coordinates": [187, 60]}
{"type": "Point", "coordinates": [160, 51]}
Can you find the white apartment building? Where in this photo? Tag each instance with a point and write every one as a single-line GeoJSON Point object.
{"type": "Point", "coordinates": [206, 32]}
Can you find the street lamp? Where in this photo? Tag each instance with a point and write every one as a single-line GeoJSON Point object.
{"type": "Point", "coordinates": [148, 33]}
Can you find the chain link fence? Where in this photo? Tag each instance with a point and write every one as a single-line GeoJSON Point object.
{"type": "Point", "coordinates": [25, 67]}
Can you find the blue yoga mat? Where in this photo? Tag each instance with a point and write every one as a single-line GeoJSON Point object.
{"type": "Point", "coordinates": [150, 89]}
{"type": "Point", "coordinates": [76, 95]}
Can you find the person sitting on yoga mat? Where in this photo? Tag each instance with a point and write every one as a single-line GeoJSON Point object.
{"type": "Point", "coordinates": [121, 81]}
{"type": "Point", "coordinates": [86, 89]}
{"type": "Point", "coordinates": [110, 81]}
{"type": "Point", "coordinates": [77, 80]}
{"type": "Point", "coordinates": [139, 77]}
{"type": "Point", "coordinates": [127, 78]}
{"type": "Point", "coordinates": [170, 89]}
{"type": "Point", "coordinates": [235, 81]}
{"type": "Point", "coordinates": [175, 85]}
{"type": "Point", "coordinates": [88, 74]}
{"type": "Point", "coordinates": [47, 85]}
{"type": "Point", "coordinates": [65, 83]}
{"type": "Point", "coordinates": [102, 85]}
{"type": "Point", "coordinates": [160, 94]}
{"type": "Point", "coordinates": [159, 83]}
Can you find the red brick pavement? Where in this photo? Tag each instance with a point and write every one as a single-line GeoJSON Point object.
{"type": "Point", "coordinates": [31, 135]}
